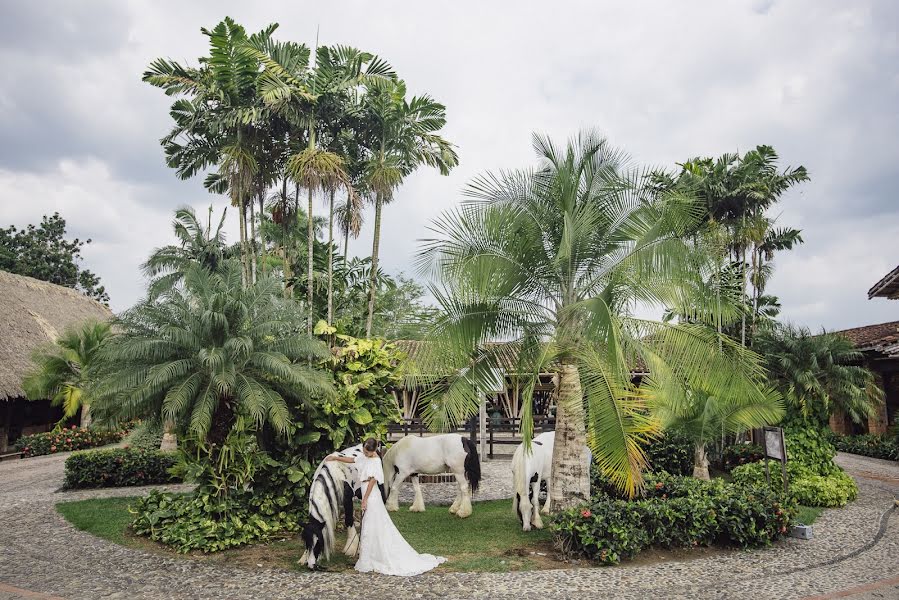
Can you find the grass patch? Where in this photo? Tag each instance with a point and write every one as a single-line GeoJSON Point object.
{"type": "Point", "coordinates": [490, 540]}
{"type": "Point", "coordinates": [808, 514]}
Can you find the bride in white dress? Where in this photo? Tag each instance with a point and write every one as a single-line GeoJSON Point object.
{"type": "Point", "coordinates": [382, 548]}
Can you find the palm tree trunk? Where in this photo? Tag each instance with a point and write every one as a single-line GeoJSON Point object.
{"type": "Point", "coordinates": [376, 241]}
{"type": "Point", "coordinates": [261, 240]}
{"type": "Point", "coordinates": [346, 245]}
{"type": "Point", "coordinates": [743, 300]}
{"type": "Point", "coordinates": [243, 241]}
{"type": "Point", "coordinates": [252, 241]}
{"type": "Point", "coordinates": [700, 463]}
{"type": "Point", "coordinates": [86, 419]}
{"type": "Point", "coordinates": [570, 483]}
{"type": "Point", "coordinates": [169, 438]}
{"type": "Point", "coordinates": [310, 232]}
{"type": "Point", "coordinates": [331, 259]}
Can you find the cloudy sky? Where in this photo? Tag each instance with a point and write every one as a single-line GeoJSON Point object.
{"type": "Point", "coordinates": [818, 80]}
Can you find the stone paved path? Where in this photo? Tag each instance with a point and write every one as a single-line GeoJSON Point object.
{"type": "Point", "coordinates": [42, 556]}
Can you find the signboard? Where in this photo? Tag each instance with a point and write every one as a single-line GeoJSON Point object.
{"type": "Point", "coordinates": [774, 443]}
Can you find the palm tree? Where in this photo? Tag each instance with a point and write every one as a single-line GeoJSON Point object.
{"type": "Point", "coordinates": [208, 353]}
{"type": "Point", "coordinates": [64, 372]}
{"type": "Point", "coordinates": [405, 136]}
{"type": "Point", "coordinates": [704, 418]}
{"type": "Point", "coordinates": [219, 119]}
{"type": "Point", "coordinates": [551, 261]}
{"type": "Point", "coordinates": [197, 245]}
{"type": "Point", "coordinates": [819, 375]}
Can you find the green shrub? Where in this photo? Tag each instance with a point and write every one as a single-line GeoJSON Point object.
{"type": "Point", "coordinates": [808, 445]}
{"type": "Point", "coordinates": [146, 436]}
{"type": "Point", "coordinates": [672, 453]}
{"type": "Point", "coordinates": [204, 522]}
{"type": "Point", "coordinates": [118, 467]}
{"type": "Point", "coordinates": [875, 446]}
{"type": "Point", "coordinates": [807, 487]}
{"type": "Point", "coordinates": [66, 440]}
{"type": "Point", "coordinates": [741, 454]}
{"type": "Point", "coordinates": [675, 512]}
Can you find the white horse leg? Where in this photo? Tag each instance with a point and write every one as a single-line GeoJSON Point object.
{"type": "Point", "coordinates": [548, 496]}
{"type": "Point", "coordinates": [535, 510]}
{"type": "Point", "coordinates": [419, 504]}
{"type": "Point", "coordinates": [454, 508]}
{"type": "Point", "coordinates": [352, 541]}
{"type": "Point", "coordinates": [464, 508]}
{"type": "Point", "coordinates": [393, 500]}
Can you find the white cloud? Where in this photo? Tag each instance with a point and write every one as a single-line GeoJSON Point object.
{"type": "Point", "coordinates": [818, 80]}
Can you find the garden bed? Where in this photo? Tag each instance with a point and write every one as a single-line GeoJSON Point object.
{"type": "Point", "coordinates": [491, 540]}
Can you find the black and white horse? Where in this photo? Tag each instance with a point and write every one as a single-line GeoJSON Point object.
{"type": "Point", "coordinates": [529, 470]}
{"type": "Point", "coordinates": [415, 455]}
{"type": "Point", "coordinates": [334, 485]}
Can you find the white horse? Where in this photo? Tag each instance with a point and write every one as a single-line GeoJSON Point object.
{"type": "Point", "coordinates": [415, 455]}
{"type": "Point", "coordinates": [529, 469]}
{"type": "Point", "coordinates": [334, 485]}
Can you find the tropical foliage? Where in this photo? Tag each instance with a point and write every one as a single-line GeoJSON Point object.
{"type": "Point", "coordinates": [819, 374]}
{"type": "Point", "coordinates": [66, 440]}
{"type": "Point", "coordinates": [118, 467]}
{"type": "Point", "coordinates": [554, 259]}
{"type": "Point", "coordinates": [876, 446]}
{"type": "Point", "coordinates": [64, 372]}
{"type": "Point", "coordinates": [42, 252]}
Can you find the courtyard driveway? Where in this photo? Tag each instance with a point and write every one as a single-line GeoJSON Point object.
{"type": "Point", "coordinates": [855, 553]}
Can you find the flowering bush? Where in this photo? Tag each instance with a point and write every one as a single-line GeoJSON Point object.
{"type": "Point", "coordinates": [674, 512]}
{"type": "Point", "coordinates": [118, 467]}
{"type": "Point", "coordinates": [66, 440]}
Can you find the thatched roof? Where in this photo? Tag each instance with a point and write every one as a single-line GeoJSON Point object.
{"type": "Point", "coordinates": [34, 313]}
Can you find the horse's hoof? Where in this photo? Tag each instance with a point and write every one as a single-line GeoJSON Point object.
{"type": "Point", "coordinates": [538, 525]}
{"type": "Point", "coordinates": [453, 510]}
{"type": "Point", "coordinates": [464, 514]}
{"type": "Point", "coordinates": [414, 508]}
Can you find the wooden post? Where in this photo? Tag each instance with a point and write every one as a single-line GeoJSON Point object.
{"type": "Point", "coordinates": [482, 428]}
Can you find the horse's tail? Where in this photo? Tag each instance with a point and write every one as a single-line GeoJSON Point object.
{"type": "Point", "coordinates": [472, 464]}
{"type": "Point", "coordinates": [519, 481]}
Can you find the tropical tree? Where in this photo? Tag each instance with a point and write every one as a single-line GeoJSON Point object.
{"type": "Point", "coordinates": [405, 136]}
{"type": "Point", "coordinates": [209, 352]}
{"type": "Point", "coordinates": [552, 261]}
{"type": "Point", "coordinates": [819, 375]}
{"type": "Point", "coordinates": [704, 418]}
{"type": "Point", "coordinates": [65, 371]}
{"type": "Point", "coordinates": [197, 245]}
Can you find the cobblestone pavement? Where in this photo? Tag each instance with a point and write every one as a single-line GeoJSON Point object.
{"type": "Point", "coordinates": [42, 556]}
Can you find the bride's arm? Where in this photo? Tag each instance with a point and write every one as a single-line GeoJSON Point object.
{"type": "Point", "coordinates": [371, 485]}
{"type": "Point", "coordinates": [343, 459]}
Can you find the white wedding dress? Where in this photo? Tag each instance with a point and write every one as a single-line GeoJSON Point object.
{"type": "Point", "coordinates": [382, 548]}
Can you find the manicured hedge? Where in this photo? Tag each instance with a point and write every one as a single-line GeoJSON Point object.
{"type": "Point", "coordinates": [118, 467]}
{"type": "Point", "coordinates": [675, 512]}
{"type": "Point", "coordinates": [66, 440]}
{"type": "Point", "coordinates": [809, 488]}
{"type": "Point", "coordinates": [875, 446]}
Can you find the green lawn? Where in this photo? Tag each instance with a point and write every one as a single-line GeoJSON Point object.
{"type": "Point", "coordinates": [808, 514]}
{"type": "Point", "coordinates": [491, 539]}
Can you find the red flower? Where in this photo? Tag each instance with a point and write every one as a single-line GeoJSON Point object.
{"type": "Point", "coordinates": [660, 485]}
{"type": "Point", "coordinates": [68, 440]}
{"type": "Point", "coordinates": [586, 513]}
{"type": "Point", "coordinates": [73, 427]}
{"type": "Point", "coordinates": [783, 529]}
{"type": "Point", "coordinates": [52, 448]}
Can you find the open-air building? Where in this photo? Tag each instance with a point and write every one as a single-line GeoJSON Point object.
{"type": "Point", "coordinates": [33, 313]}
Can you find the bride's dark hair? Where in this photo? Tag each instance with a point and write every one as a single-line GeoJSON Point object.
{"type": "Point", "coordinates": [370, 445]}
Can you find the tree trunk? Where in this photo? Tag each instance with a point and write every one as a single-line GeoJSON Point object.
{"type": "Point", "coordinates": [310, 232]}
{"type": "Point", "coordinates": [253, 259]}
{"type": "Point", "coordinates": [261, 240]}
{"type": "Point", "coordinates": [376, 241]}
{"type": "Point", "coordinates": [743, 300]}
{"type": "Point", "coordinates": [85, 415]}
{"type": "Point", "coordinates": [570, 483]}
{"type": "Point", "coordinates": [700, 463]}
{"type": "Point", "coordinates": [242, 215]}
{"type": "Point", "coordinates": [169, 438]}
{"type": "Point", "coordinates": [331, 259]}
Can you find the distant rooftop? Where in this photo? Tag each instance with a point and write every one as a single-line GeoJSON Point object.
{"type": "Point", "coordinates": [888, 287]}
{"type": "Point", "coordinates": [883, 337]}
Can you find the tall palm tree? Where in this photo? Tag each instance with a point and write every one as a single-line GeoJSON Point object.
{"type": "Point", "coordinates": [64, 372]}
{"type": "Point", "coordinates": [218, 118]}
{"type": "Point", "coordinates": [552, 261]}
{"type": "Point", "coordinates": [198, 244]}
{"type": "Point", "coordinates": [819, 375]}
{"type": "Point", "coordinates": [209, 352]}
{"type": "Point", "coordinates": [405, 136]}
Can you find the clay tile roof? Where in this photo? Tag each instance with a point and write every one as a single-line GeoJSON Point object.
{"type": "Point", "coordinates": [888, 287]}
{"type": "Point", "coordinates": [34, 313]}
{"type": "Point", "coordinates": [883, 337]}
